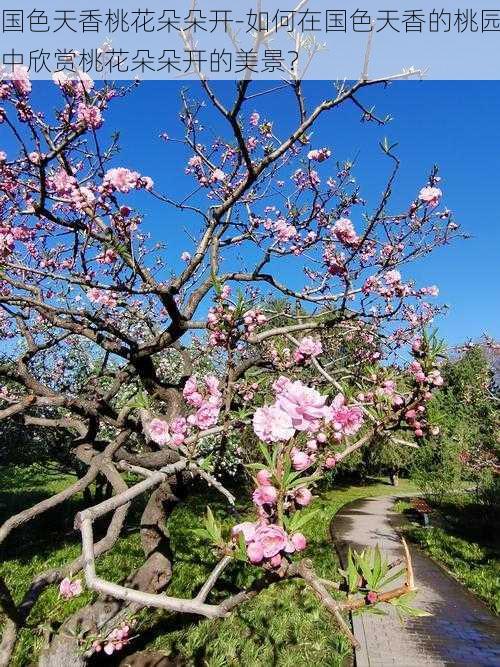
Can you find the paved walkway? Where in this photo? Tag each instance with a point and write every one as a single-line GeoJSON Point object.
{"type": "Point", "coordinates": [461, 631]}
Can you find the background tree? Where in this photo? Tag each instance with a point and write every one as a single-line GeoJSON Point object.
{"type": "Point", "coordinates": [465, 410]}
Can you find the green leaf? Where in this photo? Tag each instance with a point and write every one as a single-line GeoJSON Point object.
{"type": "Point", "coordinates": [287, 467]}
{"type": "Point", "coordinates": [299, 520]}
{"type": "Point", "coordinates": [404, 608]}
{"type": "Point", "coordinates": [363, 562]}
{"type": "Point", "coordinates": [216, 283]}
{"type": "Point", "coordinates": [240, 552]}
{"type": "Point", "coordinates": [213, 528]}
{"type": "Point", "coordinates": [392, 577]}
{"type": "Point", "coordinates": [303, 481]}
{"type": "Point", "coordinates": [265, 453]}
{"type": "Point", "coordinates": [255, 466]}
{"type": "Point", "coordinates": [351, 576]}
{"type": "Point", "coordinates": [377, 565]}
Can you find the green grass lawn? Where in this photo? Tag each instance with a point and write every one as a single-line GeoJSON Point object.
{"type": "Point", "coordinates": [284, 625]}
{"type": "Point", "coordinates": [466, 542]}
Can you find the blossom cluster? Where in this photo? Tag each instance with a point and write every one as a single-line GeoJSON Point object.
{"type": "Point", "coordinates": [90, 115]}
{"type": "Point", "coordinates": [430, 195]}
{"type": "Point", "coordinates": [123, 180]}
{"type": "Point", "coordinates": [308, 348]}
{"type": "Point", "coordinates": [205, 397]}
{"type": "Point", "coordinates": [102, 297]}
{"type": "Point", "coordinates": [344, 231]}
{"type": "Point", "coordinates": [70, 588]}
{"type": "Point", "coordinates": [164, 433]}
{"type": "Point", "coordinates": [432, 378]}
{"type": "Point", "coordinates": [301, 408]}
{"type": "Point", "coordinates": [319, 154]}
{"type": "Point", "coordinates": [208, 176]}
{"type": "Point", "coordinates": [267, 542]}
{"type": "Point", "coordinates": [224, 318]}
{"type": "Point", "coordinates": [115, 641]}
{"type": "Point", "coordinates": [297, 409]}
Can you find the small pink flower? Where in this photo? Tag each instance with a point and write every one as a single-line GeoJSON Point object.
{"type": "Point", "coordinates": [89, 115]}
{"type": "Point", "coordinates": [302, 496]}
{"type": "Point", "coordinates": [218, 175]}
{"type": "Point", "coordinates": [346, 419]}
{"type": "Point", "coordinates": [284, 231]}
{"type": "Point", "coordinates": [21, 80]}
{"type": "Point", "coordinates": [280, 384]}
{"type": "Point", "coordinates": [273, 539]}
{"type": "Point", "coordinates": [264, 477]}
{"type": "Point", "coordinates": [276, 560]}
{"type": "Point", "coordinates": [255, 552]}
{"type": "Point", "coordinates": [299, 541]}
{"type": "Point", "coordinates": [371, 597]}
{"type": "Point", "coordinates": [304, 406]}
{"type": "Point", "coordinates": [212, 384]}
{"type": "Point", "coordinates": [392, 277]}
{"type": "Point", "coordinates": [247, 528]}
{"type": "Point", "coordinates": [430, 195]}
{"type": "Point", "coordinates": [308, 348]}
{"type": "Point", "coordinates": [345, 233]}
{"type": "Point", "coordinates": [158, 431]}
{"type": "Point", "coordinates": [69, 589]}
{"type": "Point", "coordinates": [186, 257]}
{"type": "Point", "coordinates": [206, 416]}
{"type": "Point", "coordinates": [265, 495]}
{"type": "Point", "coordinates": [300, 460]}
{"type": "Point", "coordinates": [319, 154]}
{"type": "Point", "coordinates": [416, 346]}
{"type": "Point", "coordinates": [271, 424]}
{"type": "Point", "coordinates": [102, 297]}
{"type": "Point", "coordinates": [330, 462]}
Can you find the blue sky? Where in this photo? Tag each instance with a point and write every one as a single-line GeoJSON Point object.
{"type": "Point", "coordinates": [453, 124]}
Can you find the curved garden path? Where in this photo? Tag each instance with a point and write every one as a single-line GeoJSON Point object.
{"type": "Point", "coordinates": [462, 631]}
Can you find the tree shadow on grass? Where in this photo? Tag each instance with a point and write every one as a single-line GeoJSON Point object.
{"type": "Point", "coordinates": [471, 522]}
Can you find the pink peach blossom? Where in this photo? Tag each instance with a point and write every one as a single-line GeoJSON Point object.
{"type": "Point", "coordinates": [299, 541]}
{"type": "Point", "coordinates": [158, 431]}
{"type": "Point", "coordinates": [392, 277]}
{"type": "Point", "coordinates": [255, 552]}
{"type": "Point", "coordinates": [303, 496]}
{"type": "Point", "coordinates": [430, 195]}
{"type": "Point", "coordinates": [345, 419]}
{"type": "Point", "coordinates": [69, 589]}
{"type": "Point", "coordinates": [344, 231]}
{"type": "Point", "coordinates": [247, 528]}
{"type": "Point", "coordinates": [330, 462]}
{"type": "Point", "coordinates": [265, 495]}
{"type": "Point", "coordinates": [272, 538]}
{"type": "Point", "coordinates": [263, 477]}
{"type": "Point", "coordinates": [300, 460]}
{"type": "Point", "coordinates": [309, 348]}
{"type": "Point", "coordinates": [272, 424]}
{"type": "Point", "coordinates": [304, 406]}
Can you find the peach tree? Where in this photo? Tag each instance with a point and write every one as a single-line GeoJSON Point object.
{"type": "Point", "coordinates": [199, 355]}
